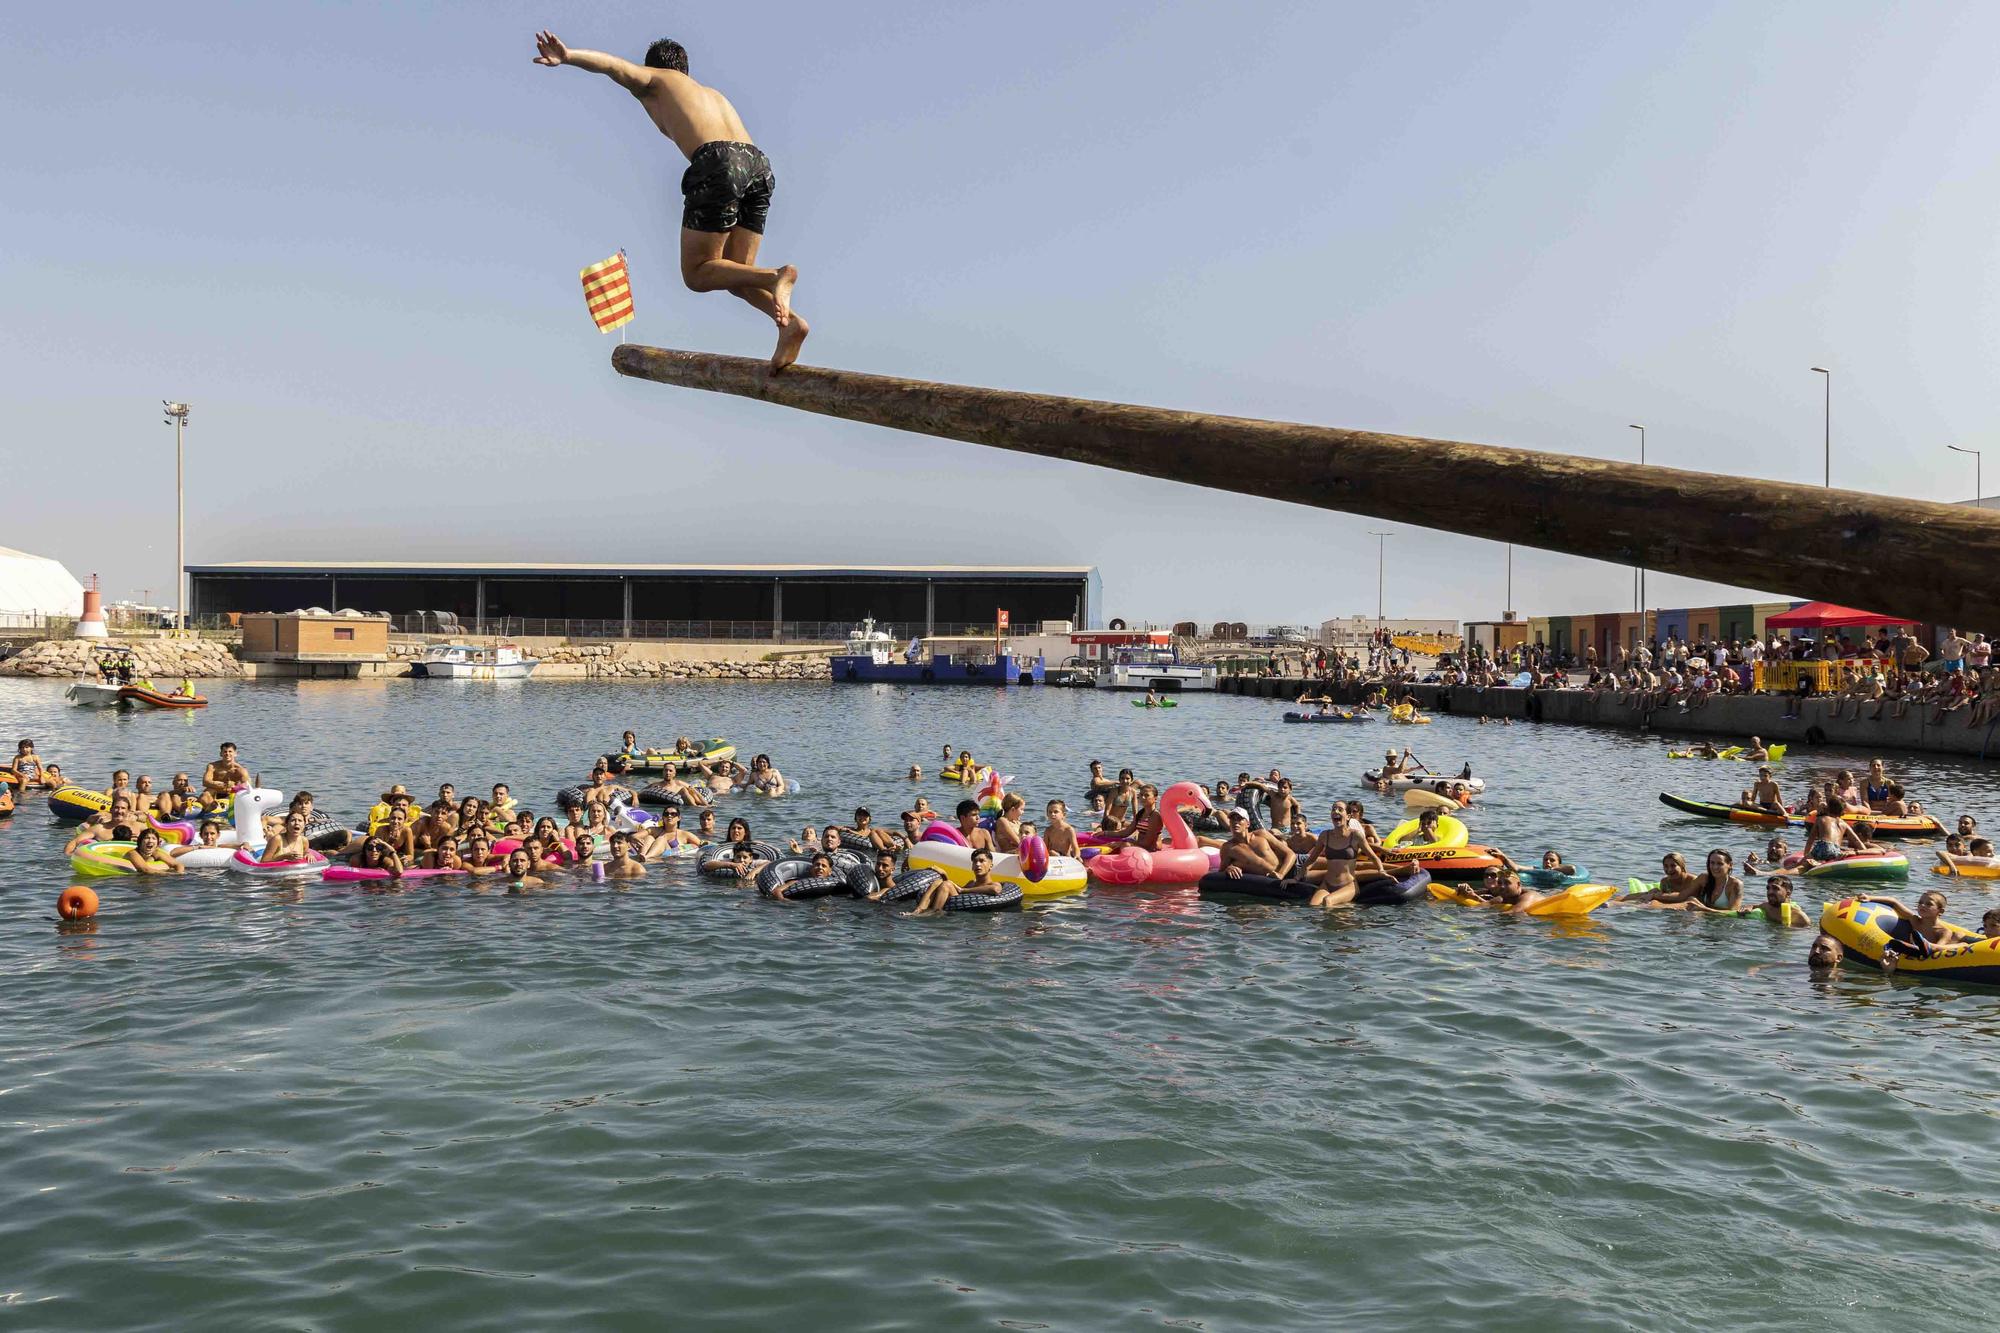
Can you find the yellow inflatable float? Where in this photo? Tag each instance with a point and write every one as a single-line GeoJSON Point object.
{"type": "Point", "coordinates": [1451, 833]}
{"type": "Point", "coordinates": [1576, 900]}
{"type": "Point", "coordinates": [1865, 932]}
{"type": "Point", "coordinates": [1065, 873]}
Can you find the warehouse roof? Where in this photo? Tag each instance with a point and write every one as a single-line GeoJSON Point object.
{"type": "Point", "coordinates": [466, 567]}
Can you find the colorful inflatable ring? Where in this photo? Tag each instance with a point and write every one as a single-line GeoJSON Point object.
{"type": "Point", "coordinates": [248, 861]}
{"type": "Point", "coordinates": [98, 859]}
{"type": "Point", "coordinates": [990, 900]}
{"type": "Point", "coordinates": [1874, 866]}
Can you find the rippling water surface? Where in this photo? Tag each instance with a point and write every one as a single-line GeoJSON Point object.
{"type": "Point", "coordinates": [236, 1103]}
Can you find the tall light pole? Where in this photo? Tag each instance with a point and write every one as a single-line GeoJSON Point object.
{"type": "Point", "coordinates": [1381, 559]}
{"type": "Point", "coordinates": [1641, 608]}
{"type": "Point", "coordinates": [1978, 485]}
{"type": "Point", "coordinates": [1510, 580]}
{"type": "Point", "coordinates": [177, 417]}
{"type": "Point", "coordinates": [1827, 418]}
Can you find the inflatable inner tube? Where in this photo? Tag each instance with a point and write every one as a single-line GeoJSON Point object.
{"type": "Point", "coordinates": [794, 876]}
{"type": "Point", "coordinates": [910, 884]}
{"type": "Point", "coordinates": [323, 834]}
{"type": "Point", "coordinates": [1372, 890]}
{"type": "Point", "coordinates": [570, 796]}
{"type": "Point", "coordinates": [716, 858]}
{"type": "Point", "coordinates": [1002, 898]}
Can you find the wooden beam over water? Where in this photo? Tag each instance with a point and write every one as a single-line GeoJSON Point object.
{"type": "Point", "coordinates": [1909, 558]}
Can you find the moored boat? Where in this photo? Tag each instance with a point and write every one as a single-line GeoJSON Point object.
{"type": "Point", "coordinates": [465, 661]}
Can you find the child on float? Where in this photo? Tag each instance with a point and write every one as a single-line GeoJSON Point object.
{"type": "Point", "coordinates": [1921, 932]}
{"type": "Point", "coordinates": [1007, 827]}
{"type": "Point", "coordinates": [976, 837]}
{"type": "Point", "coordinates": [26, 764]}
{"type": "Point", "coordinates": [1060, 837]}
{"type": "Point", "coordinates": [1675, 889]}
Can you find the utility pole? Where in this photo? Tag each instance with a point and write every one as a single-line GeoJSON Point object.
{"type": "Point", "coordinates": [1641, 607]}
{"type": "Point", "coordinates": [1827, 418]}
{"type": "Point", "coordinates": [1978, 482]}
{"type": "Point", "coordinates": [177, 417]}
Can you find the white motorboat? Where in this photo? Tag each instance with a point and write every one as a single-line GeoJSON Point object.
{"type": "Point", "coordinates": [1153, 668]}
{"type": "Point", "coordinates": [465, 661]}
{"type": "Point", "coordinates": [93, 694]}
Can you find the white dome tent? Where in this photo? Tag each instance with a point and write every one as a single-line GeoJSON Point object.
{"type": "Point", "coordinates": [33, 587]}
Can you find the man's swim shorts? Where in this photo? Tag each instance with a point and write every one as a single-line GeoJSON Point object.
{"type": "Point", "coordinates": [727, 185]}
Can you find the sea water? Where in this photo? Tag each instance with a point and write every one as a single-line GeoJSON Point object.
{"type": "Point", "coordinates": [670, 1103]}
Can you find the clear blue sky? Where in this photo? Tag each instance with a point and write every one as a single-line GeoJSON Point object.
{"type": "Point", "coordinates": [349, 235]}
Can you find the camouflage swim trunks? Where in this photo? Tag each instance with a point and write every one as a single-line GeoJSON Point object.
{"type": "Point", "coordinates": [727, 185]}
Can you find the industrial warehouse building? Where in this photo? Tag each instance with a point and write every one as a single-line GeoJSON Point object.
{"type": "Point", "coordinates": [673, 601]}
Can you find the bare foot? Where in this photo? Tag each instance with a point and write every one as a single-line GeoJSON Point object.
{"type": "Point", "coordinates": [781, 294]}
{"type": "Point", "coordinates": [790, 337]}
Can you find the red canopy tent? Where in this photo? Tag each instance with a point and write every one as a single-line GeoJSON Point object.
{"type": "Point", "coordinates": [1825, 615]}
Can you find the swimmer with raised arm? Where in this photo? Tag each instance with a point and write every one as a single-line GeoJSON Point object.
{"type": "Point", "coordinates": [726, 189]}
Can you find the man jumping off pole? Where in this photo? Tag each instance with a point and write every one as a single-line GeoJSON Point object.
{"type": "Point", "coordinates": [727, 186]}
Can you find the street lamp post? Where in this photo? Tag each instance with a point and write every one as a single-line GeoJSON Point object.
{"type": "Point", "coordinates": [1381, 560]}
{"type": "Point", "coordinates": [177, 417]}
{"type": "Point", "coordinates": [1978, 485]}
{"type": "Point", "coordinates": [1510, 580]}
{"type": "Point", "coordinates": [1641, 607]}
{"type": "Point", "coordinates": [1827, 417]}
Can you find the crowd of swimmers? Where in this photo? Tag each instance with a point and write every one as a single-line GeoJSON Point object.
{"type": "Point", "coordinates": [1257, 826]}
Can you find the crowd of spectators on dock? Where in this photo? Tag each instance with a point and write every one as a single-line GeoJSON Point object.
{"type": "Point", "coordinates": [1885, 675]}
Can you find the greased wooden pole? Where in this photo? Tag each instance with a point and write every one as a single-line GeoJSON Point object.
{"type": "Point", "coordinates": [1909, 558]}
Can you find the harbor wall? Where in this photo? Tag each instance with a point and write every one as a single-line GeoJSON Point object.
{"type": "Point", "coordinates": [1733, 718]}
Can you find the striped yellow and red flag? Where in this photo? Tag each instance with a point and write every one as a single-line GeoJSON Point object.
{"type": "Point", "coordinates": [607, 289]}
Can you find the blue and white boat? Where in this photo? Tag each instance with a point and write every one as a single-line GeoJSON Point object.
{"type": "Point", "coordinates": [872, 657]}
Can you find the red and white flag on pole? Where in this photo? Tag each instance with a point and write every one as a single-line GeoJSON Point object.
{"type": "Point", "coordinates": [607, 290]}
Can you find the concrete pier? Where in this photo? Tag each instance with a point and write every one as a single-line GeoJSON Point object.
{"type": "Point", "coordinates": [1736, 717]}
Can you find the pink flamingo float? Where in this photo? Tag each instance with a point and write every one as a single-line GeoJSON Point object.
{"type": "Point", "coordinates": [1182, 861]}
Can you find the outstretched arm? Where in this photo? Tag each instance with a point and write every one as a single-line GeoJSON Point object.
{"type": "Point", "coordinates": [550, 51]}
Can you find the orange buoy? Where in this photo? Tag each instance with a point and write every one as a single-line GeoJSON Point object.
{"type": "Point", "coordinates": [77, 903]}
